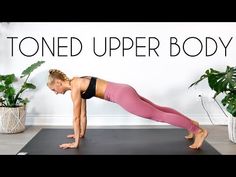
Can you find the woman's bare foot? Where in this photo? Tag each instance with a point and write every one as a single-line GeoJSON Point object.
{"type": "Point", "coordinates": [190, 134]}
{"type": "Point", "coordinates": [200, 136]}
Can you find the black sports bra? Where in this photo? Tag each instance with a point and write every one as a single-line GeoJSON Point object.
{"type": "Point", "coordinates": [91, 90]}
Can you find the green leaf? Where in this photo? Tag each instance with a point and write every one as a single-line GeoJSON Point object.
{"type": "Point", "coordinates": [9, 96]}
{"type": "Point", "coordinates": [26, 86]}
{"type": "Point", "coordinates": [220, 81]}
{"type": "Point", "coordinates": [2, 77]}
{"type": "Point", "coordinates": [231, 109]}
{"type": "Point", "coordinates": [31, 68]}
{"type": "Point", "coordinates": [9, 79]}
{"type": "Point", "coordinates": [234, 113]}
{"type": "Point", "coordinates": [201, 78]}
{"type": "Point", "coordinates": [10, 92]}
{"type": "Point", "coordinates": [29, 86]}
{"type": "Point", "coordinates": [2, 88]}
{"type": "Point", "coordinates": [230, 102]}
{"type": "Point", "coordinates": [224, 101]}
{"type": "Point", "coordinates": [223, 82]}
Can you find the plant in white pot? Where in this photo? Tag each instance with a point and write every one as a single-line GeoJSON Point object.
{"type": "Point", "coordinates": [225, 83]}
{"type": "Point", "coordinates": [12, 105]}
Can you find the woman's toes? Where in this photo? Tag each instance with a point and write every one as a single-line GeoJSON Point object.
{"type": "Point", "coordinates": [189, 136]}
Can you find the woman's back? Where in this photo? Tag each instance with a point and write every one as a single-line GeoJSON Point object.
{"type": "Point", "coordinates": [98, 84]}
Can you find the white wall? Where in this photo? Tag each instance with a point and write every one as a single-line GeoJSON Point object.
{"type": "Point", "coordinates": [163, 79]}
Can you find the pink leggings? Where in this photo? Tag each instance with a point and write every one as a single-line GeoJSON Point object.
{"type": "Point", "coordinates": [127, 97]}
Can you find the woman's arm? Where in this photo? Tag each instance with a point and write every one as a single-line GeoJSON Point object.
{"type": "Point", "coordinates": [83, 121]}
{"type": "Point", "coordinates": [83, 118]}
{"type": "Point", "coordinates": [76, 99]}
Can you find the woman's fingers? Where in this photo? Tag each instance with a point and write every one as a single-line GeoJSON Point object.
{"type": "Point", "coordinates": [68, 145]}
{"type": "Point", "coordinates": [65, 146]}
{"type": "Point", "coordinates": [71, 136]}
{"type": "Point", "coordinates": [81, 135]}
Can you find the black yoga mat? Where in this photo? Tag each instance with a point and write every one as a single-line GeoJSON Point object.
{"type": "Point", "coordinates": [116, 142]}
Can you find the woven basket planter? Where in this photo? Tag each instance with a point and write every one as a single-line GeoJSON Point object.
{"type": "Point", "coordinates": [12, 120]}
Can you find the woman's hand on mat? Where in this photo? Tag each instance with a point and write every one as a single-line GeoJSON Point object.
{"type": "Point", "coordinates": [82, 135]}
{"type": "Point", "coordinates": [71, 136]}
{"type": "Point", "coordinates": [69, 145]}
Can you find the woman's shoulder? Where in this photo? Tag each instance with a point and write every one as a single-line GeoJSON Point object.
{"type": "Point", "coordinates": [79, 82]}
{"type": "Point", "coordinates": [75, 81]}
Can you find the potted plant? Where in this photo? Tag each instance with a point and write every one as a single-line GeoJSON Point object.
{"type": "Point", "coordinates": [225, 83]}
{"type": "Point", "coordinates": [12, 105]}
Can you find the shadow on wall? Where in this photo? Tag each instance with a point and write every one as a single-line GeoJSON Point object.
{"type": "Point", "coordinates": [40, 79]}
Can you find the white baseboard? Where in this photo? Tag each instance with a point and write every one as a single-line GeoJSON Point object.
{"type": "Point", "coordinates": [113, 120]}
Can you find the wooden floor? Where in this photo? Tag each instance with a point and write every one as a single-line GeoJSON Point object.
{"type": "Point", "coordinates": [10, 144]}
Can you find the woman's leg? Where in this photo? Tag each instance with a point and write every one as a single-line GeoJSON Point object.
{"type": "Point", "coordinates": [162, 108]}
{"type": "Point", "coordinates": [128, 98]}
{"type": "Point", "coordinates": [170, 110]}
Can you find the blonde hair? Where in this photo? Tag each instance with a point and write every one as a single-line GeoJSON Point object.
{"type": "Point", "coordinates": [56, 74]}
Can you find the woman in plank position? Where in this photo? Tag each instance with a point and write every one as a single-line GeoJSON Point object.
{"type": "Point", "coordinates": [85, 87]}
